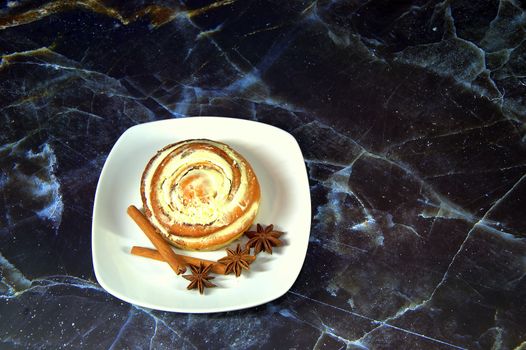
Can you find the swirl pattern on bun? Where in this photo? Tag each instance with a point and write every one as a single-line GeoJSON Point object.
{"type": "Point", "coordinates": [200, 194]}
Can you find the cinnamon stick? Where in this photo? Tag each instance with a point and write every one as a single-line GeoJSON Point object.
{"type": "Point", "coordinates": [162, 246]}
{"type": "Point", "coordinates": [154, 254]}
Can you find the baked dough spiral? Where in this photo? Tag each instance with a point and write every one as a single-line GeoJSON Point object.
{"type": "Point", "coordinates": [200, 194]}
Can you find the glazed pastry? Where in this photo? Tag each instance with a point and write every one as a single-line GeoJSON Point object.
{"type": "Point", "coordinates": [200, 194]}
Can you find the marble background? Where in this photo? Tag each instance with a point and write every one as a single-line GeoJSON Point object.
{"type": "Point", "coordinates": [411, 117]}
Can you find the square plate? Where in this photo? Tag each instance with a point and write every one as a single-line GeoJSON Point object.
{"type": "Point", "coordinates": [285, 202]}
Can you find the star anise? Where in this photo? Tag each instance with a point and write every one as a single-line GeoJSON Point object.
{"type": "Point", "coordinates": [263, 239]}
{"type": "Point", "coordinates": [199, 277]}
{"type": "Point", "coordinates": [237, 259]}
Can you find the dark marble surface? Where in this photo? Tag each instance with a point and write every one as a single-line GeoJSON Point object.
{"type": "Point", "coordinates": [411, 116]}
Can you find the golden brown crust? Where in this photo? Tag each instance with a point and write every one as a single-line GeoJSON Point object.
{"type": "Point", "coordinates": [169, 192]}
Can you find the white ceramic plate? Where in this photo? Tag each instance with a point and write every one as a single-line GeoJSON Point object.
{"type": "Point", "coordinates": [277, 160]}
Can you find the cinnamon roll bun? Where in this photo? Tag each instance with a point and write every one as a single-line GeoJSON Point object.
{"type": "Point", "coordinates": [200, 194]}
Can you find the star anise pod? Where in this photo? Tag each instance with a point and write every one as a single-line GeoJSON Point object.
{"type": "Point", "coordinates": [199, 277]}
{"type": "Point", "coordinates": [236, 260]}
{"type": "Point", "coordinates": [263, 239]}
